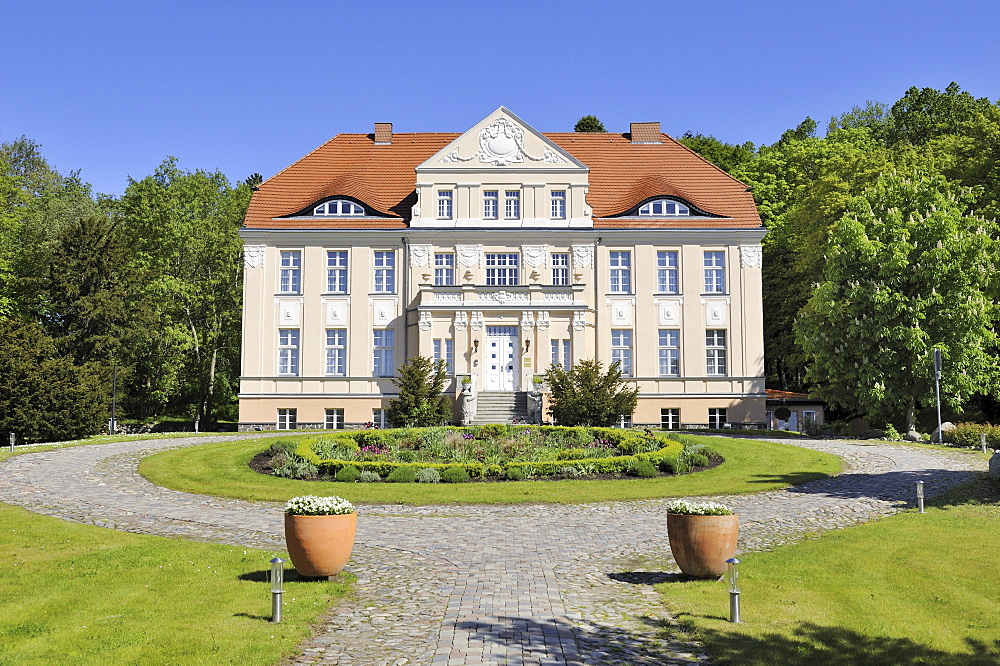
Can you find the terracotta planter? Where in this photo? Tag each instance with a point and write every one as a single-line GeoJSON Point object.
{"type": "Point", "coordinates": [702, 544]}
{"type": "Point", "coordinates": [320, 545]}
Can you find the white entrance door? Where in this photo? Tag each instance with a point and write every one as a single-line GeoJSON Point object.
{"type": "Point", "coordinates": [501, 358]}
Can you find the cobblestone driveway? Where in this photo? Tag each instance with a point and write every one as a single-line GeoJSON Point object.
{"type": "Point", "coordinates": [474, 584]}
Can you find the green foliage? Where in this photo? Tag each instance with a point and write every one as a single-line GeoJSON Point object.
{"type": "Point", "coordinates": [907, 270]}
{"type": "Point", "coordinates": [586, 395]}
{"type": "Point", "coordinates": [348, 474]}
{"type": "Point", "coordinates": [368, 476]}
{"type": "Point", "coordinates": [402, 474]}
{"type": "Point", "coordinates": [428, 475]}
{"type": "Point", "coordinates": [44, 396]}
{"type": "Point", "coordinates": [726, 156]}
{"type": "Point", "coordinates": [890, 433]}
{"type": "Point", "coordinates": [421, 400]}
{"type": "Point", "coordinates": [455, 475]}
{"type": "Point", "coordinates": [589, 124]}
{"type": "Point", "coordinates": [296, 468]}
{"type": "Point", "coordinates": [573, 454]}
{"type": "Point", "coordinates": [514, 473]}
{"type": "Point", "coordinates": [969, 435]}
{"type": "Point", "coordinates": [644, 469]}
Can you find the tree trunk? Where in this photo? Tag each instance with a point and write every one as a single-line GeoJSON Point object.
{"type": "Point", "coordinates": [911, 415]}
{"type": "Point", "coordinates": [210, 391]}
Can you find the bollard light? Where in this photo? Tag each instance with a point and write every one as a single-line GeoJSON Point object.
{"type": "Point", "coordinates": [277, 582]}
{"type": "Point", "coordinates": [12, 437]}
{"type": "Point", "coordinates": [734, 589]}
{"type": "Point", "coordinates": [982, 440]}
{"type": "Point", "coordinates": [920, 495]}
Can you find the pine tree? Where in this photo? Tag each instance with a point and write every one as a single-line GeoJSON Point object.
{"type": "Point", "coordinates": [421, 401]}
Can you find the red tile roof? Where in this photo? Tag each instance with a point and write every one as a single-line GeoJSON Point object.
{"type": "Point", "coordinates": [622, 174]}
{"type": "Point", "coordinates": [773, 394]}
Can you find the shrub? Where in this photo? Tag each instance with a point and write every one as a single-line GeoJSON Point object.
{"type": "Point", "coordinates": [421, 400]}
{"type": "Point", "coordinates": [573, 454]}
{"type": "Point", "coordinates": [402, 474]}
{"type": "Point", "coordinates": [296, 468]}
{"type": "Point", "coordinates": [455, 475]}
{"type": "Point", "coordinates": [286, 446]}
{"type": "Point", "coordinates": [493, 470]}
{"type": "Point", "coordinates": [428, 475]}
{"type": "Point", "coordinates": [587, 395]}
{"type": "Point", "coordinates": [967, 434]}
{"type": "Point", "coordinates": [891, 433]}
{"type": "Point", "coordinates": [569, 471]}
{"type": "Point", "coordinates": [348, 474]}
{"type": "Point", "coordinates": [368, 476]}
{"type": "Point", "coordinates": [491, 431]}
{"type": "Point", "coordinates": [514, 473]}
{"type": "Point", "coordinates": [644, 469]}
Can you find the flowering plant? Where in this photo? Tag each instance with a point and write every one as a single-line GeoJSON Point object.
{"type": "Point", "coordinates": [311, 505]}
{"type": "Point", "coordinates": [685, 508]}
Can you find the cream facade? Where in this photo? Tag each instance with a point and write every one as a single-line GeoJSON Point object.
{"type": "Point", "coordinates": [496, 261]}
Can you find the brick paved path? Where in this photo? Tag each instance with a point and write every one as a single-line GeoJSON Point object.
{"type": "Point", "coordinates": [472, 584]}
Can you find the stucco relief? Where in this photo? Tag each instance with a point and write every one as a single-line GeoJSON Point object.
{"type": "Point", "coordinates": [534, 255]}
{"type": "Point", "coordinates": [502, 297]}
{"type": "Point", "coordinates": [477, 320]}
{"type": "Point", "coordinates": [621, 312]}
{"type": "Point", "coordinates": [565, 297]}
{"type": "Point", "coordinates": [461, 321]}
{"type": "Point", "coordinates": [448, 297]}
{"type": "Point", "coordinates": [336, 313]}
{"type": "Point", "coordinates": [253, 255]}
{"type": "Point", "coordinates": [579, 320]}
{"type": "Point", "coordinates": [420, 255]}
{"type": "Point", "coordinates": [542, 321]}
{"type": "Point", "coordinates": [716, 312]}
{"type": "Point", "coordinates": [527, 319]}
{"type": "Point", "coordinates": [583, 255]}
{"type": "Point", "coordinates": [289, 313]}
{"type": "Point", "coordinates": [751, 256]}
{"type": "Point", "coordinates": [669, 312]}
{"type": "Point", "coordinates": [425, 320]}
{"type": "Point", "coordinates": [383, 312]}
{"type": "Point", "coordinates": [469, 255]}
{"type": "Point", "coordinates": [502, 143]}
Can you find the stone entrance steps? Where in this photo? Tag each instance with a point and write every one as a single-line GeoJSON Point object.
{"type": "Point", "coordinates": [501, 407]}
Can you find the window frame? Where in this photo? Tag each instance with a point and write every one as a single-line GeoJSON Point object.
{"type": "Point", "coordinates": [383, 352]}
{"type": "Point", "coordinates": [290, 274]}
{"type": "Point", "coordinates": [445, 204]}
{"type": "Point", "coordinates": [444, 273]}
{"type": "Point", "coordinates": [558, 204]}
{"type": "Point", "coordinates": [356, 209]}
{"type": "Point", "coordinates": [673, 420]}
{"type": "Point", "coordinates": [716, 352]}
{"type": "Point", "coordinates": [667, 275]}
{"type": "Point", "coordinates": [379, 418]}
{"type": "Point", "coordinates": [669, 352]}
{"type": "Point", "coordinates": [620, 274]}
{"type": "Point", "coordinates": [336, 351]}
{"type": "Point", "coordinates": [718, 417]}
{"type": "Point", "coordinates": [491, 199]}
{"type": "Point", "coordinates": [287, 419]}
{"type": "Point", "coordinates": [506, 274]}
{"type": "Point", "coordinates": [512, 205]}
{"type": "Point", "coordinates": [560, 269]}
{"type": "Point", "coordinates": [384, 274]}
{"type": "Point", "coordinates": [647, 209]}
{"type": "Point", "coordinates": [622, 340]}
{"type": "Point", "coordinates": [336, 273]}
{"type": "Point", "coordinates": [444, 350]}
{"type": "Point", "coordinates": [714, 273]}
{"type": "Point", "coordinates": [562, 352]}
{"type": "Point", "coordinates": [289, 341]}
{"type": "Point", "coordinates": [338, 418]}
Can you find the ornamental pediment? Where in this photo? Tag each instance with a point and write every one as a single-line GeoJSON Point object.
{"type": "Point", "coordinates": [501, 141]}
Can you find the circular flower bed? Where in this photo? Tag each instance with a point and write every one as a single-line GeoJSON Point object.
{"type": "Point", "coordinates": [494, 452]}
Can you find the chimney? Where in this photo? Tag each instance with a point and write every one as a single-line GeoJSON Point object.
{"type": "Point", "coordinates": [383, 134]}
{"type": "Point", "coordinates": [644, 132]}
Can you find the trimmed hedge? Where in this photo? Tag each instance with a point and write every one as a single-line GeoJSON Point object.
{"type": "Point", "coordinates": [645, 445]}
{"type": "Point", "coordinates": [968, 435]}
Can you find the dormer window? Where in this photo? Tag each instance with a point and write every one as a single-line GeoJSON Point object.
{"type": "Point", "coordinates": [339, 208]}
{"type": "Point", "coordinates": [664, 207]}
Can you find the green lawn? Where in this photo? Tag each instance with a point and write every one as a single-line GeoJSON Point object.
{"type": "Point", "coordinates": [909, 589]}
{"type": "Point", "coordinates": [751, 466]}
{"type": "Point", "coordinates": [77, 594]}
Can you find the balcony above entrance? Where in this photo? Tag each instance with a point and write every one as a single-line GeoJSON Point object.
{"type": "Point", "coordinates": [485, 296]}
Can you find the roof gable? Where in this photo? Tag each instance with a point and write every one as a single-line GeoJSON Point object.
{"type": "Point", "coordinates": [501, 142]}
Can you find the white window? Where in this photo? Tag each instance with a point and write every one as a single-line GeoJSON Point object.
{"type": "Point", "coordinates": [715, 273]}
{"type": "Point", "coordinates": [336, 272]}
{"type": "Point", "coordinates": [383, 352]}
{"type": "Point", "coordinates": [621, 349]}
{"type": "Point", "coordinates": [621, 272]}
{"type": "Point", "coordinates": [336, 351]}
{"type": "Point", "coordinates": [560, 269]}
{"type": "Point", "coordinates": [715, 352]}
{"type": "Point", "coordinates": [808, 416]}
{"type": "Point", "coordinates": [670, 418]}
{"type": "Point", "coordinates": [491, 205]}
{"type": "Point", "coordinates": [288, 351]}
{"type": "Point", "coordinates": [666, 272]}
{"type": "Point", "coordinates": [501, 269]}
{"type": "Point", "coordinates": [378, 419]}
{"type": "Point", "coordinates": [444, 350]}
{"type": "Point", "coordinates": [717, 418]}
{"type": "Point", "coordinates": [444, 204]}
{"type": "Point", "coordinates": [670, 352]}
{"type": "Point", "coordinates": [664, 207]}
{"type": "Point", "coordinates": [385, 271]}
{"type": "Point", "coordinates": [340, 208]}
{"type": "Point", "coordinates": [287, 419]}
{"type": "Point", "coordinates": [334, 419]}
{"type": "Point", "coordinates": [562, 353]}
{"type": "Point", "coordinates": [512, 205]}
{"type": "Point", "coordinates": [624, 420]}
{"type": "Point", "coordinates": [291, 272]}
{"type": "Point", "coordinates": [559, 205]}
{"type": "Point", "coordinates": [444, 268]}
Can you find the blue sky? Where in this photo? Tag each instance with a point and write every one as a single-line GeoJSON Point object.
{"type": "Point", "coordinates": [112, 88]}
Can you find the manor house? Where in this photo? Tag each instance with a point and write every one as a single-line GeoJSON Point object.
{"type": "Point", "coordinates": [501, 251]}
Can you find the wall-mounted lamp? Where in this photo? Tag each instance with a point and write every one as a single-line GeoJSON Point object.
{"type": "Point", "coordinates": [475, 345]}
{"type": "Point", "coordinates": [527, 346]}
